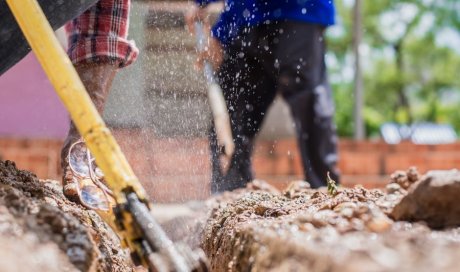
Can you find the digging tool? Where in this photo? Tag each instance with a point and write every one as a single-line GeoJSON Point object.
{"type": "Point", "coordinates": [216, 99]}
{"type": "Point", "coordinates": [130, 215]}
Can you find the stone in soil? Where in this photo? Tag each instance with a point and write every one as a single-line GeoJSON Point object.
{"type": "Point", "coordinates": [434, 199]}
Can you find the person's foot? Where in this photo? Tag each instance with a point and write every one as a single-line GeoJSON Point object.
{"type": "Point", "coordinates": [69, 180]}
{"type": "Point", "coordinates": [97, 79]}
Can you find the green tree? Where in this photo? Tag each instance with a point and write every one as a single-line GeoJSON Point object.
{"type": "Point", "coordinates": [409, 75]}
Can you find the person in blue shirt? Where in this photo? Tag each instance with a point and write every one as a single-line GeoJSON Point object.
{"type": "Point", "coordinates": [261, 48]}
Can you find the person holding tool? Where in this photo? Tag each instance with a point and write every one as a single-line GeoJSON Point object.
{"type": "Point", "coordinates": [260, 48]}
{"type": "Point", "coordinates": [97, 46]}
{"type": "Point", "coordinates": [99, 38]}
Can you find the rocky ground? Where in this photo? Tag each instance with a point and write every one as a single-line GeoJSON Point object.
{"type": "Point", "coordinates": [411, 225]}
{"type": "Point", "coordinates": [354, 229]}
{"type": "Point", "coordinates": [40, 230]}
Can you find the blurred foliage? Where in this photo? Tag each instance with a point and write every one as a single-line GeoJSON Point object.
{"type": "Point", "coordinates": [410, 75]}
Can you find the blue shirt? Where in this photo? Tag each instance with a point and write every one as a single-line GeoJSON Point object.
{"type": "Point", "coordinates": [238, 14]}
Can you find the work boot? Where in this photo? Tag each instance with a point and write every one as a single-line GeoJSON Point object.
{"type": "Point", "coordinates": [97, 79]}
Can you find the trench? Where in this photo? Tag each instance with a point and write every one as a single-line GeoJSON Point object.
{"type": "Point", "coordinates": [255, 229]}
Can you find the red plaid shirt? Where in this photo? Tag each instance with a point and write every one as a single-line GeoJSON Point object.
{"type": "Point", "coordinates": [100, 34]}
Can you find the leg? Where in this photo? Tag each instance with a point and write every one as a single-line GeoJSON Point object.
{"type": "Point", "coordinates": [303, 83]}
{"type": "Point", "coordinates": [97, 54]}
{"type": "Point", "coordinates": [249, 91]}
{"type": "Point", "coordinates": [13, 44]}
{"type": "Point", "coordinates": [216, 168]}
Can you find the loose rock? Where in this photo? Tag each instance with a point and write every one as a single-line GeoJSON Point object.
{"type": "Point", "coordinates": [434, 200]}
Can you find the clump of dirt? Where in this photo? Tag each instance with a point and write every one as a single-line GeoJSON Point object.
{"type": "Point", "coordinates": [40, 230]}
{"type": "Point", "coordinates": [402, 180]}
{"type": "Point", "coordinates": [432, 199]}
{"type": "Point", "coordinates": [304, 229]}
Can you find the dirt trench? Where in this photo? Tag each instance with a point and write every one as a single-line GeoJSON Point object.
{"type": "Point", "coordinates": [301, 229]}
{"type": "Point", "coordinates": [254, 229]}
{"type": "Point", "coordinates": [40, 230]}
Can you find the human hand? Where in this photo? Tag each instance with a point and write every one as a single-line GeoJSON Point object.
{"type": "Point", "coordinates": [212, 53]}
{"type": "Point", "coordinates": [196, 14]}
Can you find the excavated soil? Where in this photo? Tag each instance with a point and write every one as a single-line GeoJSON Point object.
{"type": "Point", "coordinates": [40, 230]}
{"type": "Point", "coordinates": [301, 229]}
{"type": "Point", "coordinates": [254, 229]}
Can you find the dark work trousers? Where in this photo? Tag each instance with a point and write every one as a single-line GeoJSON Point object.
{"type": "Point", "coordinates": [13, 45]}
{"type": "Point", "coordinates": [286, 58]}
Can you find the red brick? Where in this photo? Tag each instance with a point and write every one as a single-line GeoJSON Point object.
{"type": "Point", "coordinates": [175, 169]}
{"type": "Point", "coordinates": [283, 165]}
{"type": "Point", "coordinates": [286, 146]}
{"type": "Point", "coordinates": [402, 161]}
{"type": "Point", "coordinates": [443, 161]}
{"type": "Point", "coordinates": [178, 188]}
{"type": "Point", "coordinates": [264, 147]}
{"type": "Point", "coordinates": [361, 146]}
{"type": "Point", "coordinates": [355, 163]}
{"type": "Point", "coordinates": [264, 165]}
{"type": "Point", "coordinates": [367, 181]}
{"type": "Point", "coordinates": [180, 164]}
{"type": "Point", "coordinates": [455, 147]}
{"type": "Point", "coordinates": [297, 167]}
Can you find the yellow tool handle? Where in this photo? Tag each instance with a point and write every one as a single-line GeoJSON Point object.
{"type": "Point", "coordinates": [66, 82]}
{"type": "Point", "coordinates": [131, 219]}
{"type": "Point", "coordinates": [60, 71]}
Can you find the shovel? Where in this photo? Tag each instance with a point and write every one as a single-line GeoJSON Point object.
{"type": "Point", "coordinates": [216, 99]}
{"type": "Point", "coordinates": [130, 215]}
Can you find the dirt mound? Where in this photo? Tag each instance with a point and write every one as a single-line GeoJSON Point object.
{"type": "Point", "coordinates": [302, 229]}
{"type": "Point", "coordinates": [255, 229]}
{"type": "Point", "coordinates": [40, 230]}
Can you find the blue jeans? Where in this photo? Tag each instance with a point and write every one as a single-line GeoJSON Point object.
{"type": "Point", "coordinates": [13, 45]}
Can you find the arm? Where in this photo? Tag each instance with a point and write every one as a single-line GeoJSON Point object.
{"type": "Point", "coordinates": [198, 13]}
{"type": "Point", "coordinates": [221, 33]}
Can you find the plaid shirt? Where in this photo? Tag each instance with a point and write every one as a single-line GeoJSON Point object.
{"type": "Point", "coordinates": [100, 34]}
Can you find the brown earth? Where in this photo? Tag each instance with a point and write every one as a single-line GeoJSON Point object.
{"type": "Point", "coordinates": [255, 229]}
{"type": "Point", "coordinates": [302, 229]}
{"type": "Point", "coordinates": [40, 230]}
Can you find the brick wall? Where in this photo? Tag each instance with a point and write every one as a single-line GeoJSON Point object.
{"type": "Point", "coordinates": [38, 156]}
{"type": "Point", "coordinates": [178, 169]}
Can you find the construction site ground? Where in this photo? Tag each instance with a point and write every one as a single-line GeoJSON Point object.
{"type": "Point", "coordinates": [411, 225]}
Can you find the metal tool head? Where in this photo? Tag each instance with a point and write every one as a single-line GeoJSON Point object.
{"type": "Point", "coordinates": [161, 253]}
